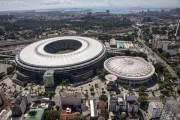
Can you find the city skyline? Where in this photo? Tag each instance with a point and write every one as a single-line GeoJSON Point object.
{"type": "Point", "coordinates": [10, 5]}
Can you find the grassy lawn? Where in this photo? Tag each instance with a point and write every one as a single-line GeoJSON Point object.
{"type": "Point", "coordinates": [64, 51]}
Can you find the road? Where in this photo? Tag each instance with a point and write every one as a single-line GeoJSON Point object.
{"type": "Point", "coordinates": [156, 56]}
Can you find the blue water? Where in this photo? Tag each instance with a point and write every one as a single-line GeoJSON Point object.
{"type": "Point", "coordinates": [112, 10]}
{"type": "Point", "coordinates": [127, 10]}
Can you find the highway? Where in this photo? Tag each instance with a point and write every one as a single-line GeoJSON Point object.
{"type": "Point", "coordinates": [156, 56]}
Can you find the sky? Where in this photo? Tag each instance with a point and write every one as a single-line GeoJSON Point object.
{"type": "Point", "coordinates": [10, 5]}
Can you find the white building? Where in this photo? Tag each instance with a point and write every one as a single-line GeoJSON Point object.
{"type": "Point", "coordinates": [93, 108]}
{"type": "Point", "coordinates": [155, 109]}
{"type": "Point", "coordinates": [72, 56]}
{"type": "Point", "coordinates": [129, 70]}
{"type": "Point", "coordinates": [112, 42]}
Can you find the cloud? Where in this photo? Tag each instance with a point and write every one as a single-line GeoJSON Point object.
{"type": "Point", "coordinates": [12, 3]}
{"type": "Point", "coordinates": [145, 3]}
{"type": "Point", "coordinates": [44, 4]}
{"type": "Point", "coordinates": [57, 2]}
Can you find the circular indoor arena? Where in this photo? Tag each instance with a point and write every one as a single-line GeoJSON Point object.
{"type": "Point", "coordinates": [130, 70]}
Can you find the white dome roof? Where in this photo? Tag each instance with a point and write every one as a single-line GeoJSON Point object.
{"type": "Point", "coordinates": [132, 68]}
{"type": "Point", "coordinates": [35, 55]}
{"type": "Point", "coordinates": [111, 77]}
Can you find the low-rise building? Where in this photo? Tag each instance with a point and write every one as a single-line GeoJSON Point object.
{"type": "Point", "coordinates": [155, 109]}
{"type": "Point", "coordinates": [5, 114]}
{"type": "Point", "coordinates": [3, 101]}
{"type": "Point", "coordinates": [117, 103]}
{"type": "Point", "coordinates": [102, 108]}
{"type": "Point", "coordinates": [68, 114]}
{"type": "Point", "coordinates": [121, 104]}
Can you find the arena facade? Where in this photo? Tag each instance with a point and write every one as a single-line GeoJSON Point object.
{"type": "Point", "coordinates": [72, 56]}
{"type": "Point", "coordinates": [130, 70]}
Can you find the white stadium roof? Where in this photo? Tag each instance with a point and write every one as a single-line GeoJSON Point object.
{"type": "Point", "coordinates": [35, 54]}
{"type": "Point", "coordinates": [130, 68]}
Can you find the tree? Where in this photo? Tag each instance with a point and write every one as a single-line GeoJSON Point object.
{"type": "Point", "coordinates": [13, 64]}
{"type": "Point", "coordinates": [103, 98]}
{"type": "Point", "coordinates": [10, 69]}
{"type": "Point", "coordinates": [178, 90]}
{"type": "Point", "coordinates": [64, 82]}
{"type": "Point", "coordinates": [109, 88]}
{"type": "Point", "coordinates": [142, 88]}
{"type": "Point", "coordinates": [86, 95]}
{"type": "Point", "coordinates": [52, 115]}
{"type": "Point", "coordinates": [2, 74]}
{"type": "Point", "coordinates": [32, 113]}
{"type": "Point", "coordinates": [50, 95]}
{"type": "Point", "coordinates": [103, 92]}
{"type": "Point", "coordinates": [57, 107]}
{"type": "Point", "coordinates": [159, 67]}
{"type": "Point", "coordinates": [127, 53]}
{"type": "Point", "coordinates": [77, 117]}
{"type": "Point", "coordinates": [160, 50]}
{"type": "Point", "coordinates": [168, 55]}
{"type": "Point", "coordinates": [161, 97]}
{"type": "Point", "coordinates": [101, 73]}
{"type": "Point", "coordinates": [118, 91]}
{"type": "Point", "coordinates": [92, 89]}
{"type": "Point", "coordinates": [143, 100]}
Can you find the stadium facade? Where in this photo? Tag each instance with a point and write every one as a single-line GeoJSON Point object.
{"type": "Point", "coordinates": [73, 56]}
{"type": "Point", "coordinates": [130, 70]}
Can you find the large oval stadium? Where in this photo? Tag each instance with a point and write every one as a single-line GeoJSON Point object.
{"type": "Point", "coordinates": [72, 56]}
{"type": "Point", "coordinates": [130, 70]}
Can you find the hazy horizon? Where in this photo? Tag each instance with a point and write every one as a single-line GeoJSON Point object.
{"type": "Point", "coordinates": [10, 5]}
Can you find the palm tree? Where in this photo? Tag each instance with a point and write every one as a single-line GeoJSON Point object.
{"type": "Point", "coordinates": [14, 85]}
{"type": "Point", "coordinates": [31, 87]}
{"type": "Point", "coordinates": [81, 89]}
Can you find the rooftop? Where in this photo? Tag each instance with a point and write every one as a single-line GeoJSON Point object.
{"type": "Point", "coordinates": [42, 51]}
{"type": "Point", "coordinates": [127, 67]}
{"type": "Point", "coordinates": [93, 108]}
{"type": "Point", "coordinates": [72, 94]}
{"type": "Point", "coordinates": [64, 115]}
{"type": "Point", "coordinates": [157, 104]}
{"type": "Point", "coordinates": [49, 72]}
{"type": "Point", "coordinates": [110, 77]}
